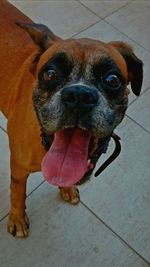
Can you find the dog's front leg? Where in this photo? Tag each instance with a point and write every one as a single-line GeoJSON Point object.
{"type": "Point", "coordinates": [70, 194]}
{"type": "Point", "coordinates": [18, 223]}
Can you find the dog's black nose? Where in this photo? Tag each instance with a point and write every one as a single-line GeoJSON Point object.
{"type": "Point", "coordinates": [79, 96]}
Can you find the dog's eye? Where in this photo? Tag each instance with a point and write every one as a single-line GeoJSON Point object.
{"type": "Point", "coordinates": [112, 81]}
{"type": "Point", "coordinates": [50, 75]}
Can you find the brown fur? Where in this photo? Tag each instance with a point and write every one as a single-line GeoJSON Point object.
{"type": "Point", "coordinates": [18, 73]}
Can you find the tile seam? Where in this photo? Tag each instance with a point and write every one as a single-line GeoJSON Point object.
{"type": "Point", "coordinates": [114, 232]}
{"type": "Point", "coordinates": [136, 99]}
{"type": "Point", "coordinates": [127, 36]}
{"type": "Point", "coordinates": [133, 120]}
{"type": "Point", "coordinates": [6, 215]}
{"type": "Point", "coordinates": [3, 129]}
{"type": "Point", "coordinates": [106, 15]}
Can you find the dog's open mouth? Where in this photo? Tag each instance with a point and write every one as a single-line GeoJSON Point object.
{"type": "Point", "coordinates": [66, 162]}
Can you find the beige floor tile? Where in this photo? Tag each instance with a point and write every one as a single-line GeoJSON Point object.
{"type": "Point", "coordinates": [63, 17]}
{"type": "Point", "coordinates": [3, 121]}
{"type": "Point", "coordinates": [120, 196]}
{"type": "Point", "coordinates": [104, 8]}
{"type": "Point", "coordinates": [106, 33]}
{"type": "Point", "coordinates": [134, 20]}
{"type": "Point", "coordinates": [64, 235]}
{"type": "Point", "coordinates": [140, 111]}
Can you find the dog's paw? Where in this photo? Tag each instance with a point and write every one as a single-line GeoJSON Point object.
{"type": "Point", "coordinates": [70, 194]}
{"type": "Point", "coordinates": [18, 226]}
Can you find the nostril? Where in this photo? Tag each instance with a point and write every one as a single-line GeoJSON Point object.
{"type": "Point", "coordinates": [70, 98]}
{"type": "Point", "coordinates": [79, 96]}
{"type": "Point", "coordinates": [89, 99]}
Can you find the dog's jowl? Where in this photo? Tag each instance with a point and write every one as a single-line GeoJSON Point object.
{"type": "Point", "coordinates": [72, 93]}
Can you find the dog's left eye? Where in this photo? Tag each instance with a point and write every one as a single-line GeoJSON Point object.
{"type": "Point", "coordinates": [112, 81]}
{"type": "Point", "coordinates": [50, 75]}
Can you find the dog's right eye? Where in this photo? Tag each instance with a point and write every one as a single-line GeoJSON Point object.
{"type": "Point", "coordinates": [112, 81]}
{"type": "Point", "coordinates": [50, 75]}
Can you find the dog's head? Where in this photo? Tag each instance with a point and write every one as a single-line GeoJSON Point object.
{"type": "Point", "coordinates": [81, 91]}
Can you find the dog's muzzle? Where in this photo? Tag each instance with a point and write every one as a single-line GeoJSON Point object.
{"type": "Point", "coordinates": [81, 97]}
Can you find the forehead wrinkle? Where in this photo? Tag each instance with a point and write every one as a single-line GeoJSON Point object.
{"type": "Point", "coordinates": [47, 55]}
{"type": "Point", "coordinates": [97, 50]}
{"type": "Point", "coordinates": [107, 59]}
{"type": "Point", "coordinates": [59, 58]}
{"type": "Point", "coordinates": [82, 52]}
{"type": "Point", "coordinates": [75, 54]}
{"type": "Point", "coordinates": [103, 61]}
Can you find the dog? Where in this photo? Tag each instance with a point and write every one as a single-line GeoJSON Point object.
{"type": "Point", "coordinates": [61, 98]}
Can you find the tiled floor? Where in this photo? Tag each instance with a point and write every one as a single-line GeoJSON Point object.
{"type": "Point", "coordinates": [111, 225]}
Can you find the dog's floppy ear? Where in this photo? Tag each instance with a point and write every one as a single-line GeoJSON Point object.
{"type": "Point", "coordinates": [134, 65]}
{"type": "Point", "coordinates": [40, 34]}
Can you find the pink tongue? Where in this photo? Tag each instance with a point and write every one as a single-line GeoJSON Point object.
{"type": "Point", "coordinates": [66, 161]}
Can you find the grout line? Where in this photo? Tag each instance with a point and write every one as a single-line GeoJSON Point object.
{"type": "Point", "coordinates": [5, 216]}
{"type": "Point", "coordinates": [94, 13]}
{"type": "Point", "coordinates": [138, 124]}
{"type": "Point", "coordinates": [117, 235]}
{"type": "Point", "coordinates": [133, 40]}
{"type": "Point", "coordinates": [3, 129]}
{"type": "Point", "coordinates": [105, 20]}
{"type": "Point", "coordinates": [115, 11]}
{"type": "Point", "coordinates": [35, 188]}
{"type": "Point", "coordinates": [142, 93]}
{"type": "Point", "coordinates": [98, 14]}
{"type": "Point", "coordinates": [91, 25]}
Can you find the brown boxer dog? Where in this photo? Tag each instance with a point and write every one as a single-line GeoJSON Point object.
{"type": "Point", "coordinates": [75, 90]}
